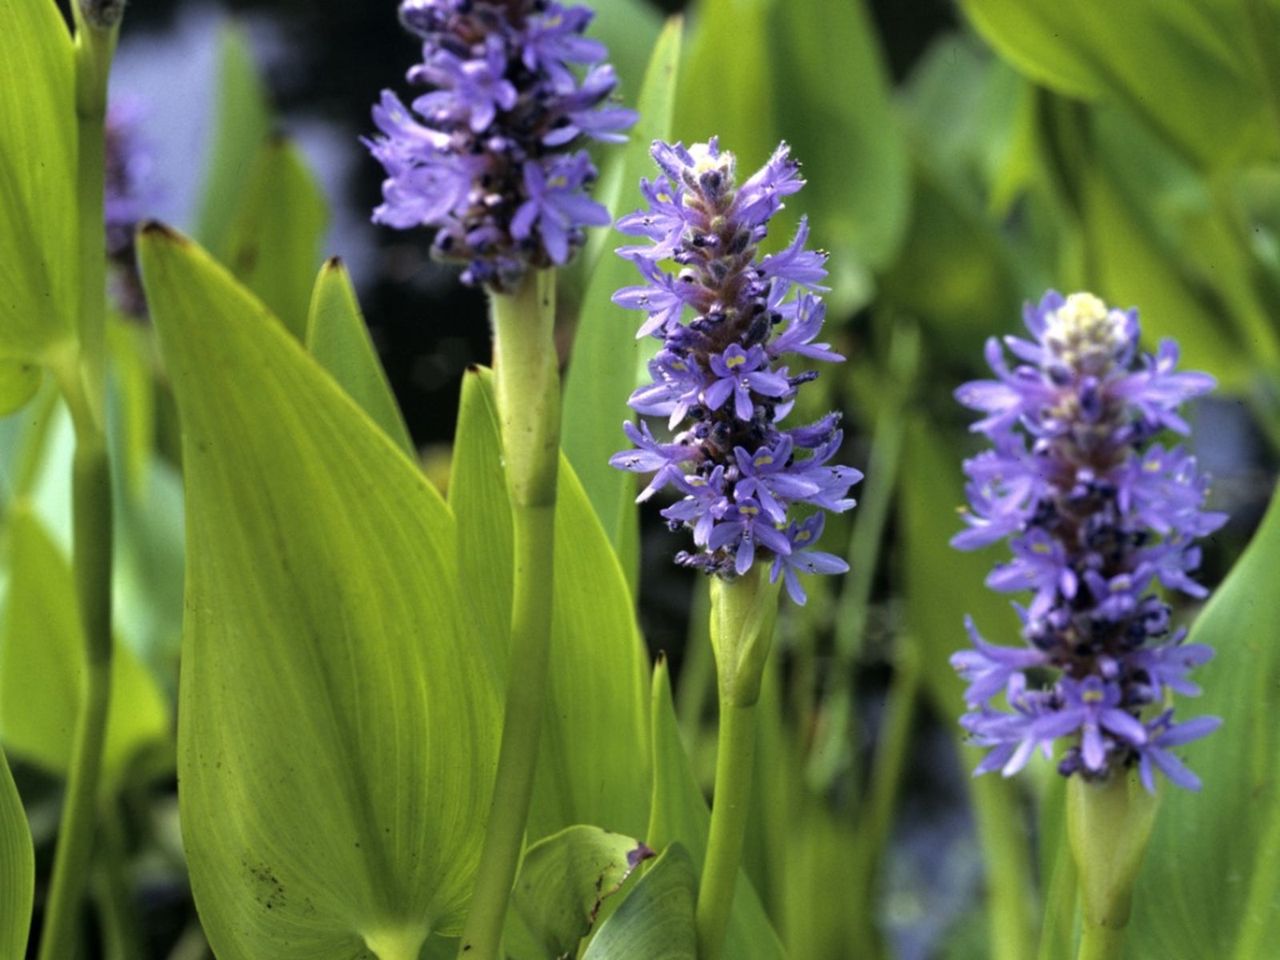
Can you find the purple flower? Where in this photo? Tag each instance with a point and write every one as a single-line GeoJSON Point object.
{"type": "Point", "coordinates": [128, 189]}
{"type": "Point", "coordinates": [1095, 515]}
{"type": "Point", "coordinates": [802, 558]}
{"type": "Point", "coordinates": [716, 378]}
{"type": "Point", "coordinates": [487, 156]}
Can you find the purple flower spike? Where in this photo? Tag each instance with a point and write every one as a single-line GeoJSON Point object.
{"type": "Point", "coordinates": [491, 156]}
{"type": "Point", "coordinates": [717, 379]}
{"type": "Point", "coordinates": [1096, 517]}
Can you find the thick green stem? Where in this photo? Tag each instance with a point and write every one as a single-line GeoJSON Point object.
{"type": "Point", "coordinates": [1101, 943]}
{"type": "Point", "coordinates": [735, 759]}
{"type": "Point", "coordinates": [91, 500]}
{"type": "Point", "coordinates": [528, 388]}
{"type": "Point", "coordinates": [81, 378]}
{"type": "Point", "coordinates": [1108, 825]}
{"type": "Point", "coordinates": [113, 891]}
{"type": "Point", "coordinates": [742, 615]}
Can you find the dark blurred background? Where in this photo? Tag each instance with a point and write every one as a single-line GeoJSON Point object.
{"type": "Point", "coordinates": [326, 62]}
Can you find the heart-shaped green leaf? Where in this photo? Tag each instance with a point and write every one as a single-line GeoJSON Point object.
{"type": "Point", "coordinates": [338, 339]}
{"type": "Point", "coordinates": [593, 761]}
{"type": "Point", "coordinates": [337, 732]}
{"type": "Point", "coordinates": [37, 180]}
{"type": "Point", "coordinates": [656, 921]}
{"type": "Point", "coordinates": [42, 659]}
{"type": "Point", "coordinates": [17, 868]}
{"type": "Point", "coordinates": [1210, 889]}
{"type": "Point", "coordinates": [566, 878]}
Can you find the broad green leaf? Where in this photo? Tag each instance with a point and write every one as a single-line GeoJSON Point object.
{"type": "Point", "coordinates": [593, 761]}
{"type": "Point", "coordinates": [680, 815]}
{"type": "Point", "coordinates": [628, 28]}
{"type": "Point", "coordinates": [338, 339]}
{"type": "Point", "coordinates": [730, 95]}
{"type": "Point", "coordinates": [1190, 70]}
{"type": "Point", "coordinates": [1133, 269]}
{"type": "Point", "coordinates": [1210, 889]}
{"type": "Point", "coordinates": [274, 238]}
{"type": "Point", "coordinates": [655, 922]}
{"type": "Point", "coordinates": [603, 363]}
{"type": "Point", "coordinates": [17, 868]}
{"type": "Point", "coordinates": [19, 381]}
{"type": "Point", "coordinates": [42, 662]}
{"type": "Point", "coordinates": [38, 272]}
{"type": "Point", "coordinates": [337, 734]}
{"type": "Point", "coordinates": [566, 878]}
{"type": "Point", "coordinates": [241, 126]}
{"type": "Point", "coordinates": [941, 585]}
{"type": "Point", "coordinates": [838, 119]}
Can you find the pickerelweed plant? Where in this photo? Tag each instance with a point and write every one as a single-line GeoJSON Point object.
{"type": "Point", "coordinates": [720, 384]}
{"type": "Point", "coordinates": [491, 158]}
{"type": "Point", "coordinates": [1099, 515]}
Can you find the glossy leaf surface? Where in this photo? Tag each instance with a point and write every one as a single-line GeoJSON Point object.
{"type": "Point", "coordinates": [37, 179]}
{"type": "Point", "coordinates": [338, 339]}
{"type": "Point", "coordinates": [17, 867]}
{"type": "Point", "coordinates": [566, 878]}
{"type": "Point", "coordinates": [336, 732]}
{"type": "Point", "coordinates": [655, 922]}
{"type": "Point", "coordinates": [19, 381]}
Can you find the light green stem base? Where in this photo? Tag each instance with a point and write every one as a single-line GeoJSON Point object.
{"type": "Point", "coordinates": [735, 761]}
{"type": "Point", "coordinates": [82, 380]}
{"type": "Point", "coordinates": [742, 615]}
{"type": "Point", "coordinates": [1108, 825]}
{"type": "Point", "coordinates": [528, 390]}
{"type": "Point", "coordinates": [1101, 943]}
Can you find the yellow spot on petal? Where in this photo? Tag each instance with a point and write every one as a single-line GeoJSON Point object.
{"type": "Point", "coordinates": [735, 361]}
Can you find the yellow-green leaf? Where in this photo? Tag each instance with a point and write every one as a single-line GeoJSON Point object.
{"type": "Point", "coordinates": [38, 274]}
{"type": "Point", "coordinates": [656, 921]}
{"type": "Point", "coordinates": [565, 880]}
{"type": "Point", "coordinates": [42, 660]}
{"type": "Point", "coordinates": [337, 732]}
{"type": "Point", "coordinates": [338, 339]}
{"type": "Point", "coordinates": [19, 381]}
{"type": "Point", "coordinates": [17, 868]}
{"type": "Point", "coordinates": [241, 125]}
{"type": "Point", "coordinates": [274, 238]}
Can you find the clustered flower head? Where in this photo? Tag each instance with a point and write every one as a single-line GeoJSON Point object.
{"type": "Point", "coordinates": [486, 156]}
{"type": "Point", "coordinates": [1098, 515]}
{"type": "Point", "coordinates": [719, 380]}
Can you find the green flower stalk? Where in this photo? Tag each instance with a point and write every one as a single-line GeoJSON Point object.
{"type": "Point", "coordinates": [82, 379]}
{"type": "Point", "coordinates": [492, 159]}
{"type": "Point", "coordinates": [720, 381]}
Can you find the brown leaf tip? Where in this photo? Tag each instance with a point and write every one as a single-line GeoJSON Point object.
{"type": "Point", "coordinates": [154, 228]}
